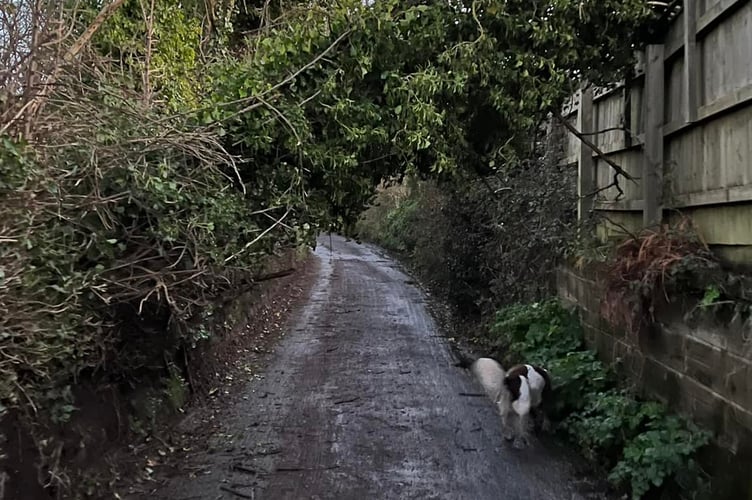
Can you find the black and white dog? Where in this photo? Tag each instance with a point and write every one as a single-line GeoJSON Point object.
{"type": "Point", "coordinates": [516, 392]}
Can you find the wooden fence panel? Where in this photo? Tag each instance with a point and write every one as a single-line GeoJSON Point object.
{"type": "Point", "coordinates": [725, 56]}
{"type": "Point", "coordinates": [609, 115]}
{"type": "Point", "coordinates": [676, 91]}
{"type": "Point", "coordinates": [688, 120]}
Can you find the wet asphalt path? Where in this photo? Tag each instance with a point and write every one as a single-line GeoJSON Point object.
{"type": "Point", "coordinates": [361, 401]}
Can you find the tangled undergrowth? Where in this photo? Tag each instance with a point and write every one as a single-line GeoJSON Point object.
{"type": "Point", "coordinates": [119, 232]}
{"type": "Point", "coordinates": [645, 448]}
{"type": "Point", "coordinates": [645, 267]}
{"type": "Point", "coordinates": [481, 241]}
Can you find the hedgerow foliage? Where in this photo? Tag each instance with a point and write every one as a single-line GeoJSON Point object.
{"type": "Point", "coordinates": [151, 154]}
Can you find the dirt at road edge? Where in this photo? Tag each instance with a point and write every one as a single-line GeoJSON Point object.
{"type": "Point", "coordinates": [219, 373]}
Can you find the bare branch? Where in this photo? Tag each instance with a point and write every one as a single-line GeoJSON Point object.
{"type": "Point", "coordinates": [610, 129]}
{"type": "Point", "coordinates": [257, 238]}
{"type": "Point", "coordinates": [595, 148]}
{"type": "Point", "coordinates": [149, 21]}
{"type": "Point", "coordinates": [614, 184]}
{"type": "Point", "coordinates": [38, 102]}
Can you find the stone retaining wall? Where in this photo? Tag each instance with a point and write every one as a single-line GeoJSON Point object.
{"type": "Point", "coordinates": [701, 368]}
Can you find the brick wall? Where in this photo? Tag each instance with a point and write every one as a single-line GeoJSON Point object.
{"type": "Point", "coordinates": [701, 368]}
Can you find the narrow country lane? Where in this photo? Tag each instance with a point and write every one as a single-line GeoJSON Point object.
{"type": "Point", "coordinates": [361, 401]}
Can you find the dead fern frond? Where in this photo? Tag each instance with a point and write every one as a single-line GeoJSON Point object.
{"type": "Point", "coordinates": [642, 268]}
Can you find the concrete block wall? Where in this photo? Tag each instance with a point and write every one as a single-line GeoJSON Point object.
{"type": "Point", "coordinates": [702, 369]}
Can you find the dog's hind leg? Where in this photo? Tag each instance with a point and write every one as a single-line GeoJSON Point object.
{"type": "Point", "coordinates": [539, 420]}
{"type": "Point", "coordinates": [522, 409]}
{"type": "Point", "coordinates": [523, 423]}
{"type": "Point", "coordinates": [506, 429]}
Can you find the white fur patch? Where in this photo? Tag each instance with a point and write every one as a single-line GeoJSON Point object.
{"type": "Point", "coordinates": [522, 404]}
{"type": "Point", "coordinates": [537, 383]}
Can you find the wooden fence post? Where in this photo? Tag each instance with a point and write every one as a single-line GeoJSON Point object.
{"type": "Point", "coordinates": [586, 179]}
{"type": "Point", "coordinates": [652, 169]}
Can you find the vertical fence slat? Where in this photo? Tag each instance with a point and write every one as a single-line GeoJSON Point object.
{"type": "Point", "coordinates": [585, 164]}
{"type": "Point", "coordinates": [691, 70]}
{"type": "Point", "coordinates": [652, 170]}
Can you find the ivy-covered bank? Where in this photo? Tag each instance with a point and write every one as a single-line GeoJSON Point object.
{"type": "Point", "coordinates": [645, 449]}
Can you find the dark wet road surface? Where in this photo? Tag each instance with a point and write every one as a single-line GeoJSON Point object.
{"type": "Point", "coordinates": [361, 401]}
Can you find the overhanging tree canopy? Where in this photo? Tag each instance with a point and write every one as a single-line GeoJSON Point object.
{"type": "Point", "coordinates": [333, 96]}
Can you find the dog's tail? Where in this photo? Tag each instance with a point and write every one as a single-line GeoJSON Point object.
{"type": "Point", "coordinates": [491, 376]}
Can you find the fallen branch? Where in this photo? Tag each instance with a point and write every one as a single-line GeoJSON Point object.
{"type": "Point", "coordinates": [274, 276]}
{"type": "Point", "coordinates": [301, 469]}
{"type": "Point", "coordinates": [348, 400]}
{"type": "Point", "coordinates": [472, 394]}
{"type": "Point", "coordinates": [243, 468]}
{"type": "Point", "coordinates": [595, 148]}
{"type": "Point", "coordinates": [254, 99]}
{"type": "Point", "coordinates": [235, 492]}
